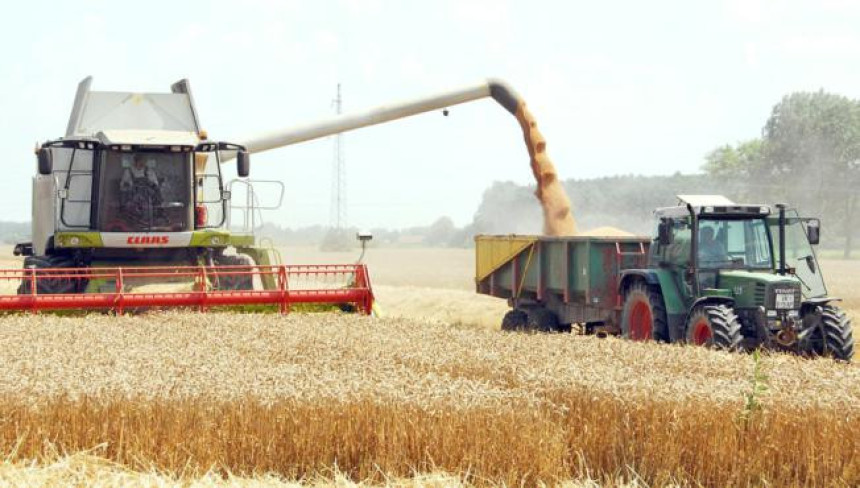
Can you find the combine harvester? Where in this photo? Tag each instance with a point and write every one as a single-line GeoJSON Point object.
{"type": "Point", "coordinates": [131, 209]}
{"type": "Point", "coordinates": [716, 273]}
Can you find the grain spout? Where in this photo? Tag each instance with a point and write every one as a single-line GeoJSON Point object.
{"type": "Point", "coordinates": [557, 217]}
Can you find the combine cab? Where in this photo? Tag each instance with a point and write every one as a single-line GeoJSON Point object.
{"type": "Point", "coordinates": [131, 209]}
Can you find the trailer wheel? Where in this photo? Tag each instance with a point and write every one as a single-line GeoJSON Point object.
{"type": "Point", "coordinates": [542, 319]}
{"type": "Point", "coordinates": [830, 334]}
{"type": "Point", "coordinates": [714, 326]}
{"type": "Point", "coordinates": [643, 317]}
{"type": "Point", "coordinates": [514, 320]}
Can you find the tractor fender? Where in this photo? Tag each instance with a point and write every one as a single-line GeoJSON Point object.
{"type": "Point", "coordinates": [663, 280]}
{"type": "Point", "coordinates": [630, 275]}
{"type": "Point", "coordinates": [816, 302]}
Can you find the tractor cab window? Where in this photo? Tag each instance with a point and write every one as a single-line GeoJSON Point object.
{"type": "Point", "coordinates": [734, 244]}
{"type": "Point", "coordinates": [799, 255]}
{"type": "Point", "coordinates": [145, 191]}
{"type": "Point", "coordinates": [678, 252]}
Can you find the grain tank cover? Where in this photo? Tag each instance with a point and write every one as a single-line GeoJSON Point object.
{"type": "Point", "coordinates": [106, 112]}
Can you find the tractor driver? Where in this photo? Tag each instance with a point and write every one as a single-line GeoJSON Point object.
{"type": "Point", "coordinates": [710, 249]}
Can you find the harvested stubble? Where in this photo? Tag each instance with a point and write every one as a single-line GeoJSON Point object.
{"type": "Point", "coordinates": [299, 395]}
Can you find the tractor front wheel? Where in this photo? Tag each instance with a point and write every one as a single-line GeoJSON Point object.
{"type": "Point", "coordinates": [830, 333]}
{"type": "Point", "coordinates": [643, 317]}
{"type": "Point", "coordinates": [714, 326]}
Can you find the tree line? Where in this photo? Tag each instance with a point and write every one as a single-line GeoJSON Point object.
{"type": "Point", "coordinates": [808, 156]}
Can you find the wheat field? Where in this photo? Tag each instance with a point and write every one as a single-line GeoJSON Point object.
{"type": "Point", "coordinates": [427, 396]}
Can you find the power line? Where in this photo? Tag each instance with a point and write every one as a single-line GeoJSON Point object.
{"type": "Point", "coordinates": [337, 212]}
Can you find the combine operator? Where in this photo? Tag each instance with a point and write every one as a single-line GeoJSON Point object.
{"type": "Point", "coordinates": [140, 194]}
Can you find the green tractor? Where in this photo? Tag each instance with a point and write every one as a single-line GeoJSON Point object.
{"type": "Point", "coordinates": [734, 276]}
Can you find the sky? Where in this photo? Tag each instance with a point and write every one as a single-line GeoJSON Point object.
{"type": "Point", "coordinates": [617, 87]}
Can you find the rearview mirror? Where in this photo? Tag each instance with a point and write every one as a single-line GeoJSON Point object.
{"type": "Point", "coordinates": [243, 164]}
{"type": "Point", "coordinates": [46, 161]}
{"type": "Point", "coordinates": [813, 231]}
{"type": "Point", "coordinates": [664, 232]}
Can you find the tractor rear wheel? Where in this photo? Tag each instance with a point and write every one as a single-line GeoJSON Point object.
{"type": "Point", "coordinates": [829, 334]}
{"type": "Point", "coordinates": [514, 320]}
{"type": "Point", "coordinates": [714, 326]}
{"type": "Point", "coordinates": [643, 317]}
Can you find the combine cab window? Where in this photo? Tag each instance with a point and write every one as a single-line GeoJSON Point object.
{"type": "Point", "coordinates": [209, 201]}
{"type": "Point", "coordinates": [145, 191]}
{"type": "Point", "coordinates": [73, 169]}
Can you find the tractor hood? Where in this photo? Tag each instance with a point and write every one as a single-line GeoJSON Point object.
{"type": "Point", "coordinates": [757, 289]}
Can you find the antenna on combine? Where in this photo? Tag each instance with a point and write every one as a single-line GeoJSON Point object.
{"type": "Point", "coordinates": [337, 215]}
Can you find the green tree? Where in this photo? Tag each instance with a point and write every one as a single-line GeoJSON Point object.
{"type": "Point", "coordinates": [812, 150]}
{"type": "Point", "coordinates": [740, 161]}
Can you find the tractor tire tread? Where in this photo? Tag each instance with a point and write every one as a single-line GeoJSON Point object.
{"type": "Point", "coordinates": [725, 326]}
{"type": "Point", "coordinates": [838, 333]}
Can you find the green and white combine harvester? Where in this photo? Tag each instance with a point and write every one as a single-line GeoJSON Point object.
{"type": "Point", "coordinates": [134, 195]}
{"type": "Point", "coordinates": [715, 273]}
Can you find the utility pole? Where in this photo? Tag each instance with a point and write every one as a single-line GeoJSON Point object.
{"type": "Point", "coordinates": [337, 215]}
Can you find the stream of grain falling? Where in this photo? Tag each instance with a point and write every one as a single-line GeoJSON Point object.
{"type": "Point", "coordinates": [557, 217]}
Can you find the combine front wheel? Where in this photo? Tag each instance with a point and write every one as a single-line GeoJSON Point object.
{"type": "Point", "coordinates": [714, 326]}
{"type": "Point", "coordinates": [643, 317]}
{"type": "Point", "coordinates": [47, 282]}
{"type": "Point", "coordinates": [237, 281]}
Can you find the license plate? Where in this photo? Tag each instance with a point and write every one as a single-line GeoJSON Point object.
{"type": "Point", "coordinates": [785, 300]}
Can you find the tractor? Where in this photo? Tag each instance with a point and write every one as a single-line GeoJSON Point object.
{"type": "Point", "coordinates": [734, 276]}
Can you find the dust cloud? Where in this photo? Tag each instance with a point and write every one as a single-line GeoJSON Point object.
{"type": "Point", "coordinates": [557, 217]}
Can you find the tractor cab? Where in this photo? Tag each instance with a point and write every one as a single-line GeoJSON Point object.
{"type": "Point", "coordinates": [720, 266]}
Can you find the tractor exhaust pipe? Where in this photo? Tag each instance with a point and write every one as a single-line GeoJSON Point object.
{"type": "Point", "coordinates": [782, 267]}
